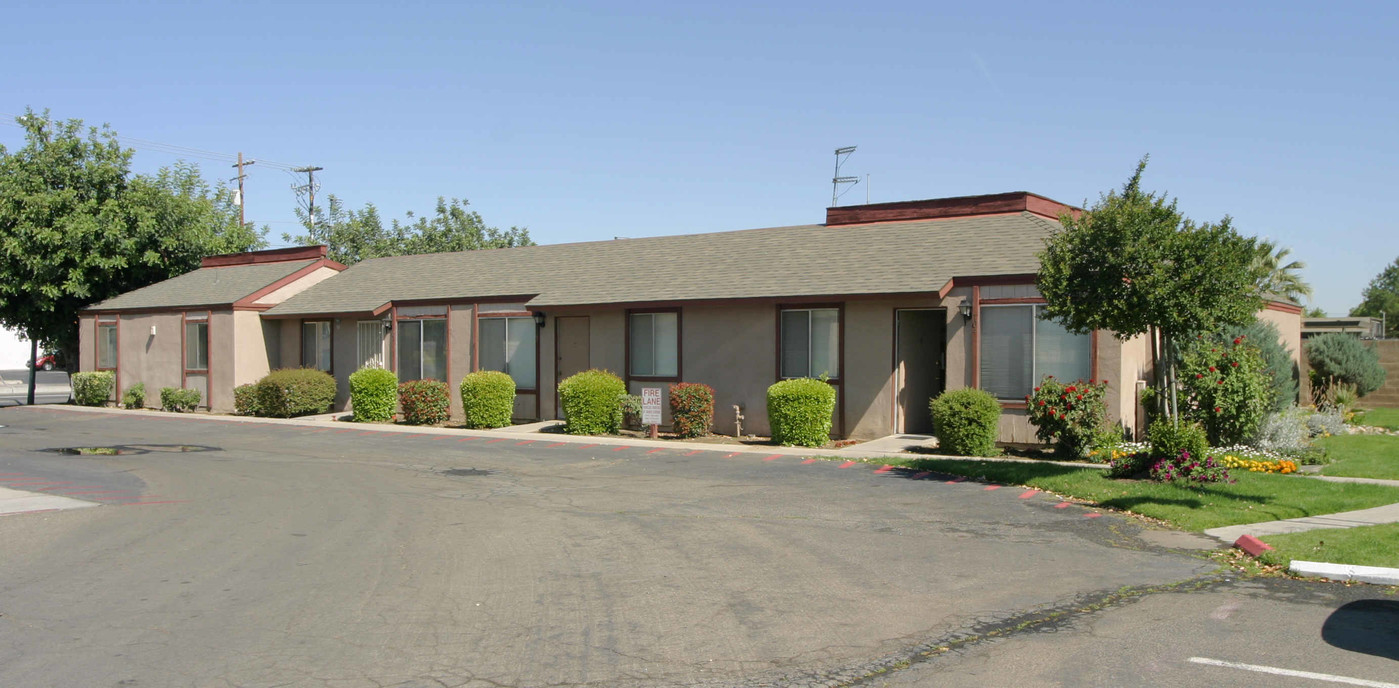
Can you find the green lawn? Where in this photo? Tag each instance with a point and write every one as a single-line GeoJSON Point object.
{"type": "Point", "coordinates": [1363, 546]}
{"type": "Point", "coordinates": [1254, 497]}
{"type": "Point", "coordinates": [1380, 417]}
{"type": "Point", "coordinates": [1362, 456]}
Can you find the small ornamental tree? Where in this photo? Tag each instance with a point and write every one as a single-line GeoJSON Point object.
{"type": "Point", "coordinates": [691, 409]}
{"type": "Point", "coordinates": [1134, 265]}
{"type": "Point", "coordinates": [1072, 417]}
{"type": "Point", "coordinates": [1226, 389]}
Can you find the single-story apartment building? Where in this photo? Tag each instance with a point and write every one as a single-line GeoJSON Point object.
{"type": "Point", "coordinates": [891, 302]}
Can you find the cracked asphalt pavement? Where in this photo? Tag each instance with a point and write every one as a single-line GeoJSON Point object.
{"type": "Point", "coordinates": [295, 556]}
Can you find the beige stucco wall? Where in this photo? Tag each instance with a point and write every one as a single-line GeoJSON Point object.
{"type": "Point", "coordinates": [251, 356]}
{"type": "Point", "coordinates": [1290, 334]}
{"type": "Point", "coordinates": [87, 343]}
{"type": "Point", "coordinates": [300, 285]}
{"type": "Point", "coordinates": [154, 360]}
{"type": "Point", "coordinates": [289, 344]}
{"type": "Point", "coordinates": [460, 352]}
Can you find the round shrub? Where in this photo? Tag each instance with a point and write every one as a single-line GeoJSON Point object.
{"type": "Point", "coordinates": [589, 402]}
{"type": "Point", "coordinates": [295, 392]}
{"type": "Point", "coordinates": [135, 396]}
{"type": "Point", "coordinates": [179, 400]}
{"type": "Point", "coordinates": [1343, 358]}
{"type": "Point", "coordinates": [966, 421]}
{"type": "Point", "coordinates": [93, 388]}
{"type": "Point", "coordinates": [691, 409]}
{"type": "Point", "coordinates": [424, 402]}
{"type": "Point", "coordinates": [1226, 389]}
{"type": "Point", "coordinates": [373, 394]}
{"type": "Point", "coordinates": [1072, 417]}
{"type": "Point", "coordinates": [245, 400]}
{"type": "Point", "coordinates": [1169, 440]}
{"type": "Point", "coordinates": [488, 399]}
{"type": "Point", "coordinates": [799, 412]}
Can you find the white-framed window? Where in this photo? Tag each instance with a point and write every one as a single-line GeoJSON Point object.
{"type": "Point", "coordinates": [810, 342]}
{"type": "Point", "coordinates": [316, 344]}
{"type": "Point", "coordinates": [197, 345]}
{"type": "Point", "coordinates": [106, 345]}
{"type": "Point", "coordinates": [1019, 347]}
{"type": "Point", "coordinates": [369, 340]}
{"type": "Point", "coordinates": [422, 349]}
{"type": "Point", "coordinates": [654, 344]}
{"type": "Point", "coordinates": [508, 345]}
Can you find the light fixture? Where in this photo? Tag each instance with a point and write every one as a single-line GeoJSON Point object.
{"type": "Point", "coordinates": [966, 310]}
{"type": "Point", "coordinates": [538, 318]}
{"type": "Point", "coordinates": [388, 325]}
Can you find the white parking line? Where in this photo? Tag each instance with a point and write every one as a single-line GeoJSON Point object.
{"type": "Point", "coordinates": [1294, 673]}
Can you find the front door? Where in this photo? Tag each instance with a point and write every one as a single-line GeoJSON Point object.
{"type": "Point", "coordinates": [571, 353]}
{"type": "Point", "coordinates": [919, 358]}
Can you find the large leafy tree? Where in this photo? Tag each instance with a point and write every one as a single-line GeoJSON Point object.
{"type": "Point", "coordinates": [1278, 275]}
{"type": "Point", "coordinates": [355, 235]}
{"type": "Point", "coordinates": [77, 227]}
{"type": "Point", "coordinates": [1381, 297]}
{"type": "Point", "coordinates": [1134, 265]}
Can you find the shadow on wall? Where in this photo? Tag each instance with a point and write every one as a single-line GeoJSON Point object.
{"type": "Point", "coordinates": [1368, 626]}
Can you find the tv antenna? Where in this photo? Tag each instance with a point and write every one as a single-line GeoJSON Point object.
{"type": "Point", "coordinates": [842, 154]}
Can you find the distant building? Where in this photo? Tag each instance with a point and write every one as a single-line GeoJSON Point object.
{"type": "Point", "coordinates": [1360, 326]}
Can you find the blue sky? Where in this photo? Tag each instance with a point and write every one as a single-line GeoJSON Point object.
{"type": "Point", "coordinates": [632, 119]}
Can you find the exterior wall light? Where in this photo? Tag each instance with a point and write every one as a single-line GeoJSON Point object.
{"type": "Point", "coordinates": [966, 310]}
{"type": "Point", "coordinates": [538, 318]}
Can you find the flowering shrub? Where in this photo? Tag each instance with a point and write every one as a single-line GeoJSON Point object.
{"type": "Point", "coordinates": [1071, 417]}
{"type": "Point", "coordinates": [1258, 466]}
{"type": "Point", "coordinates": [424, 402]}
{"type": "Point", "coordinates": [691, 409]}
{"type": "Point", "coordinates": [1227, 390]}
{"type": "Point", "coordinates": [1190, 469]}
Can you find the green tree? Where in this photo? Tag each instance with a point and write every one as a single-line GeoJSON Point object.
{"type": "Point", "coordinates": [360, 235]}
{"type": "Point", "coordinates": [77, 227]}
{"type": "Point", "coordinates": [1314, 312]}
{"type": "Point", "coordinates": [1382, 297]}
{"type": "Point", "coordinates": [1134, 265]}
{"type": "Point", "coordinates": [1278, 275]}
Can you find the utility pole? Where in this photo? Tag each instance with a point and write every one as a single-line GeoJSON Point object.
{"type": "Point", "coordinates": [242, 198]}
{"type": "Point", "coordinates": [310, 190]}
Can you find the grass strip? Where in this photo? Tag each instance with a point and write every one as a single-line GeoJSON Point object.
{"type": "Point", "coordinates": [1362, 456]}
{"type": "Point", "coordinates": [1387, 418]}
{"type": "Point", "coordinates": [1361, 546]}
{"type": "Point", "coordinates": [1253, 498]}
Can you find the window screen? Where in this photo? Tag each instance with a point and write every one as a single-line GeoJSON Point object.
{"type": "Point", "coordinates": [106, 346]}
{"type": "Point", "coordinates": [508, 345]}
{"type": "Point", "coordinates": [196, 345]}
{"type": "Point", "coordinates": [811, 343]}
{"type": "Point", "coordinates": [655, 344]}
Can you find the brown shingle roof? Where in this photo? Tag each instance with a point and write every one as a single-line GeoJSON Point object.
{"type": "Point", "coordinates": [203, 287]}
{"type": "Point", "coordinates": [811, 260]}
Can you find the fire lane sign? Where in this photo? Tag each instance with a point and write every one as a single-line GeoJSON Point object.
{"type": "Point", "coordinates": [650, 405]}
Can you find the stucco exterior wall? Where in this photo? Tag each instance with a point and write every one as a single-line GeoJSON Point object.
{"type": "Point", "coordinates": [87, 343]}
{"type": "Point", "coordinates": [290, 344]}
{"type": "Point", "coordinates": [251, 345]}
{"type": "Point", "coordinates": [154, 360]}
{"type": "Point", "coordinates": [1290, 334]}
{"type": "Point", "coordinates": [460, 352]}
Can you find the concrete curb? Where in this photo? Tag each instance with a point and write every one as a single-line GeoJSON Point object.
{"type": "Point", "coordinates": [1378, 575]}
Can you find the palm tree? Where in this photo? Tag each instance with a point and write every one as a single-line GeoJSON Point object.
{"type": "Point", "coordinates": [1277, 275]}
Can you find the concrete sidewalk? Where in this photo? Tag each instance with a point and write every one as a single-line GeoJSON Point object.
{"type": "Point", "coordinates": [22, 502]}
{"type": "Point", "coordinates": [1346, 519]}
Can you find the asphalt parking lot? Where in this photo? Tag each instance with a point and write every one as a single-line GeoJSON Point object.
{"type": "Point", "coordinates": [262, 555]}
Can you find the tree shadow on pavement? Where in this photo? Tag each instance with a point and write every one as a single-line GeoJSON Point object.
{"type": "Point", "coordinates": [1368, 626]}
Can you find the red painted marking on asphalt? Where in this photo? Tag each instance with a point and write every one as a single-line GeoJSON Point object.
{"type": "Point", "coordinates": [988, 488]}
{"type": "Point", "coordinates": [809, 461]}
{"type": "Point", "coordinates": [320, 430]}
{"type": "Point", "coordinates": [730, 456]}
{"type": "Point", "coordinates": [847, 464]}
{"type": "Point", "coordinates": [1092, 515]}
{"type": "Point", "coordinates": [1062, 505]}
{"type": "Point", "coordinates": [653, 451]}
{"type": "Point", "coordinates": [467, 439]}
{"type": "Point", "coordinates": [619, 448]}
{"type": "Point", "coordinates": [921, 474]}
{"type": "Point", "coordinates": [524, 442]}
{"type": "Point", "coordinates": [368, 432]}
{"type": "Point", "coordinates": [1028, 494]}
{"type": "Point", "coordinates": [443, 437]}
{"type": "Point", "coordinates": [587, 446]}
{"type": "Point", "coordinates": [691, 453]}
{"type": "Point", "coordinates": [958, 479]}
{"type": "Point", "coordinates": [772, 457]}
{"type": "Point", "coordinates": [884, 469]}
{"type": "Point", "coordinates": [556, 444]}
{"type": "Point", "coordinates": [498, 439]}
{"type": "Point", "coordinates": [341, 432]}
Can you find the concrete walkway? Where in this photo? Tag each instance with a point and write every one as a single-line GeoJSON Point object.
{"type": "Point", "coordinates": [22, 502]}
{"type": "Point", "coordinates": [1346, 519]}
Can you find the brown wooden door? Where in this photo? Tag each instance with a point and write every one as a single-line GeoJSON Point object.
{"type": "Point", "coordinates": [921, 348]}
{"type": "Point", "coordinates": [571, 352]}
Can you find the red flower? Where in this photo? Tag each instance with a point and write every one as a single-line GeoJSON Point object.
{"type": "Point", "coordinates": [1080, 397]}
{"type": "Point", "coordinates": [1234, 363]}
{"type": "Point", "coordinates": [1199, 375]}
{"type": "Point", "coordinates": [1220, 382]}
{"type": "Point", "coordinates": [1212, 369]}
{"type": "Point", "coordinates": [1217, 409]}
{"type": "Point", "coordinates": [1037, 389]}
{"type": "Point", "coordinates": [1072, 388]}
{"type": "Point", "coordinates": [1052, 413]}
{"type": "Point", "coordinates": [1041, 402]}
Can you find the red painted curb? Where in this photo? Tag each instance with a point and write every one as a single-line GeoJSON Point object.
{"type": "Point", "coordinates": [1252, 545]}
{"type": "Point", "coordinates": [653, 451]}
{"type": "Point", "coordinates": [809, 461]}
{"type": "Point", "coordinates": [847, 464]}
{"type": "Point", "coordinates": [1092, 514]}
{"type": "Point", "coordinates": [884, 469]}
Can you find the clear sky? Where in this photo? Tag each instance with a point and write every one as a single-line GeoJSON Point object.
{"type": "Point", "coordinates": [589, 121]}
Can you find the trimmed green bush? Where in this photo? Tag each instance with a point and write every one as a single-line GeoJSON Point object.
{"type": "Point", "coordinates": [1169, 439]}
{"type": "Point", "coordinates": [1227, 389]}
{"type": "Point", "coordinates": [691, 409]}
{"type": "Point", "coordinates": [373, 394]}
{"type": "Point", "coordinates": [424, 402]}
{"type": "Point", "coordinates": [135, 396]}
{"type": "Point", "coordinates": [295, 392]}
{"type": "Point", "coordinates": [799, 412]}
{"type": "Point", "coordinates": [589, 402]}
{"type": "Point", "coordinates": [179, 400]}
{"type": "Point", "coordinates": [488, 399]}
{"type": "Point", "coordinates": [93, 388]}
{"type": "Point", "coordinates": [966, 421]}
{"type": "Point", "coordinates": [245, 400]}
{"type": "Point", "coordinates": [1343, 358]}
